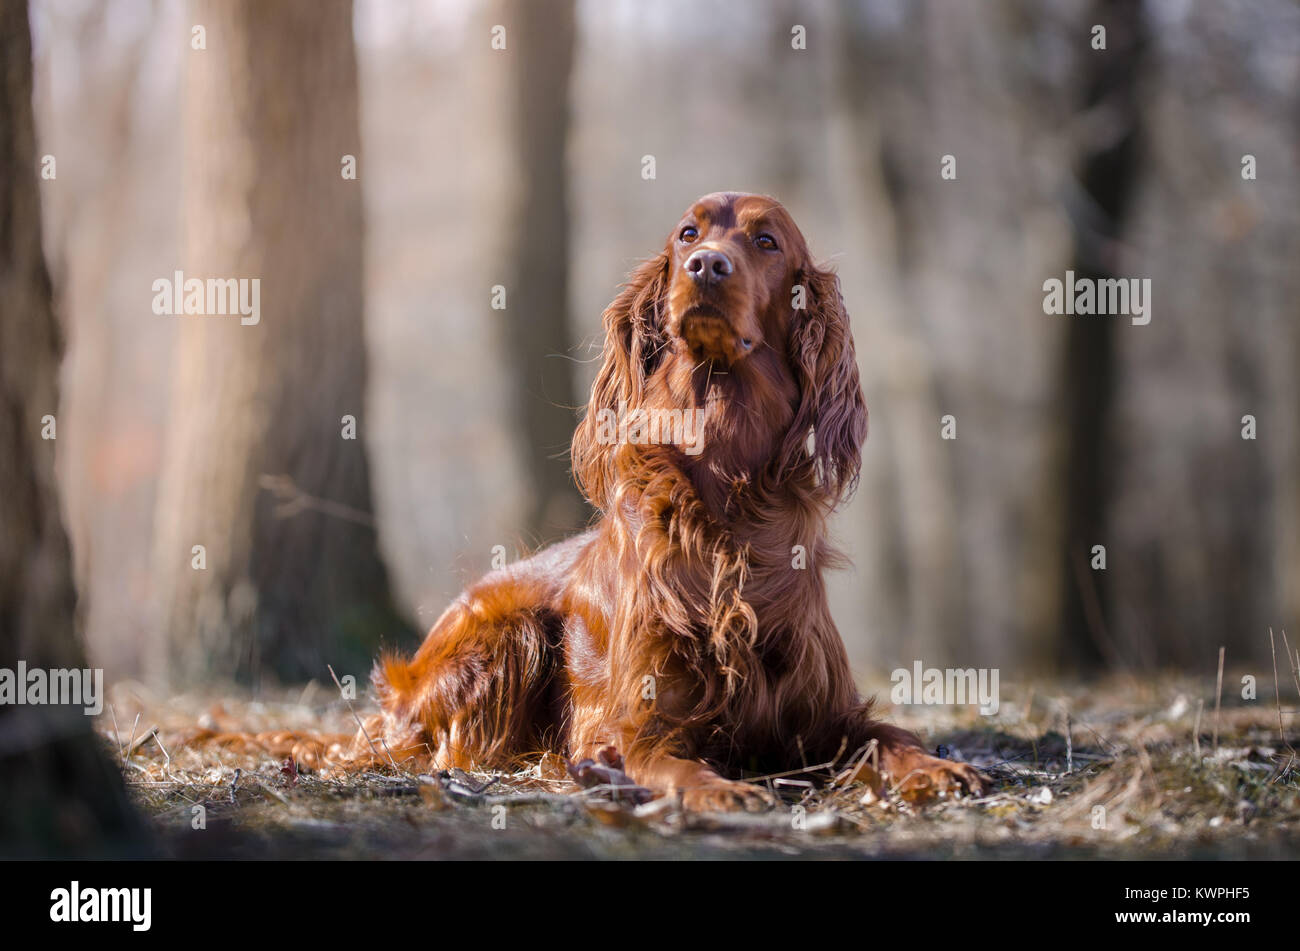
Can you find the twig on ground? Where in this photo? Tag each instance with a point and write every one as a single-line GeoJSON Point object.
{"type": "Point", "coordinates": [1196, 729]}
{"type": "Point", "coordinates": [1292, 661]}
{"type": "Point", "coordinates": [1218, 696]}
{"type": "Point", "coordinates": [1069, 745]}
{"type": "Point", "coordinates": [1277, 696]}
{"type": "Point", "coordinates": [117, 736]}
{"type": "Point", "coordinates": [353, 711]}
{"type": "Point", "coordinates": [167, 757]}
{"type": "Point", "coordinates": [148, 735]}
{"type": "Point", "coordinates": [130, 746]}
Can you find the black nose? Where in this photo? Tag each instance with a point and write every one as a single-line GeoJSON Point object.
{"type": "Point", "coordinates": [707, 266]}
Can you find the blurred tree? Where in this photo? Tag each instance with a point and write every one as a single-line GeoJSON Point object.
{"type": "Point", "coordinates": [535, 324]}
{"type": "Point", "coordinates": [58, 793]}
{"type": "Point", "coordinates": [261, 467]}
{"type": "Point", "coordinates": [1203, 527]}
{"type": "Point", "coordinates": [890, 87]}
{"type": "Point", "coordinates": [1107, 180]}
{"type": "Point", "coordinates": [92, 270]}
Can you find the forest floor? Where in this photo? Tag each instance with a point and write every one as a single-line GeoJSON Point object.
{"type": "Point", "coordinates": [1127, 768]}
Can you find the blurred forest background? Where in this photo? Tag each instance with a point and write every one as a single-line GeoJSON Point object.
{"type": "Point", "coordinates": [523, 167]}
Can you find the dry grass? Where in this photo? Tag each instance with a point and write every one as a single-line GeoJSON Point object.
{"type": "Point", "coordinates": [1116, 770]}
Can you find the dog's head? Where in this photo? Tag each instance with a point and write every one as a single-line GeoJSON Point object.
{"type": "Point", "coordinates": [735, 322]}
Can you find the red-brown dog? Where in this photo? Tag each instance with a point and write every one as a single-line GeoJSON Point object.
{"type": "Point", "coordinates": [689, 628]}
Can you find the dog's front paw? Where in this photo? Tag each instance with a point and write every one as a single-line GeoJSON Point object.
{"type": "Point", "coordinates": [725, 795]}
{"type": "Point", "coordinates": [917, 776]}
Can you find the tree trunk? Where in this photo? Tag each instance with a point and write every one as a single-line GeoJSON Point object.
{"type": "Point", "coordinates": [535, 322]}
{"type": "Point", "coordinates": [58, 794]}
{"type": "Point", "coordinates": [1108, 175]}
{"type": "Point", "coordinates": [257, 469]}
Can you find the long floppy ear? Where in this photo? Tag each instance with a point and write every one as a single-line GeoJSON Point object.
{"type": "Point", "coordinates": [633, 342]}
{"type": "Point", "coordinates": [831, 404]}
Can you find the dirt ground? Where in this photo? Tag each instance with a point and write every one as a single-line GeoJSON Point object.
{"type": "Point", "coordinates": [1124, 769]}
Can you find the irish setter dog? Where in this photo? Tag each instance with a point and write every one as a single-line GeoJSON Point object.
{"type": "Point", "coordinates": [689, 628]}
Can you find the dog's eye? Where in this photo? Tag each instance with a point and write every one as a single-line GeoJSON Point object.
{"type": "Point", "coordinates": [766, 242]}
{"type": "Point", "coordinates": [689, 234]}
